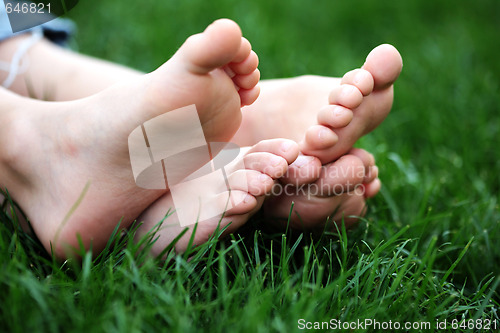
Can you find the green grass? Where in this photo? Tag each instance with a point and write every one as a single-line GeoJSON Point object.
{"type": "Point", "coordinates": [428, 248]}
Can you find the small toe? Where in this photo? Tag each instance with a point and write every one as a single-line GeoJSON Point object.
{"type": "Point", "coordinates": [335, 116]}
{"type": "Point", "coordinates": [288, 149]}
{"type": "Point", "coordinates": [242, 202]}
{"type": "Point", "coordinates": [304, 170]}
{"type": "Point", "coordinates": [372, 188]}
{"type": "Point", "coordinates": [368, 161]}
{"type": "Point", "coordinates": [371, 174]}
{"type": "Point", "coordinates": [253, 182]}
{"type": "Point", "coordinates": [346, 95]}
{"type": "Point", "coordinates": [243, 52]}
{"type": "Point", "coordinates": [248, 96]}
{"type": "Point", "coordinates": [272, 165]}
{"type": "Point", "coordinates": [247, 81]}
{"type": "Point", "coordinates": [319, 137]}
{"type": "Point", "coordinates": [361, 78]}
{"type": "Point", "coordinates": [247, 66]}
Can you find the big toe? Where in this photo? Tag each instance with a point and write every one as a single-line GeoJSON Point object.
{"type": "Point", "coordinates": [344, 175]}
{"type": "Point", "coordinates": [217, 46]}
{"type": "Point", "coordinates": [371, 170]}
{"type": "Point", "coordinates": [385, 64]}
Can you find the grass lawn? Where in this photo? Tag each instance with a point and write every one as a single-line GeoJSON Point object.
{"type": "Point", "coordinates": [428, 249]}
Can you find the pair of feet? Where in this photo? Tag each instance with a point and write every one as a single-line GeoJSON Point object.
{"type": "Point", "coordinates": [64, 149]}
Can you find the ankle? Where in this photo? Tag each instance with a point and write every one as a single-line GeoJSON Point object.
{"type": "Point", "coordinates": [15, 131]}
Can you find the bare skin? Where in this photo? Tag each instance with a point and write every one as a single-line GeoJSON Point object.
{"type": "Point", "coordinates": [313, 104]}
{"type": "Point", "coordinates": [338, 189]}
{"type": "Point", "coordinates": [53, 158]}
{"type": "Point", "coordinates": [264, 163]}
{"type": "Point", "coordinates": [339, 194]}
{"type": "Point", "coordinates": [301, 97]}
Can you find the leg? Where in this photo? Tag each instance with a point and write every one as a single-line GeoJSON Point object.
{"type": "Point", "coordinates": [58, 74]}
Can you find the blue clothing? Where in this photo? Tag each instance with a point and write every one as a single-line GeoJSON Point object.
{"type": "Point", "coordinates": [58, 30]}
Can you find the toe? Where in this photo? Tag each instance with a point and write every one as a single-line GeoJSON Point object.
{"type": "Point", "coordinates": [371, 174]}
{"type": "Point", "coordinates": [287, 149]}
{"type": "Point", "coordinates": [247, 81]}
{"type": "Point", "coordinates": [319, 137]}
{"type": "Point", "coordinates": [341, 176]}
{"type": "Point", "coordinates": [367, 158]}
{"type": "Point", "coordinates": [243, 203]}
{"type": "Point", "coordinates": [360, 78]}
{"type": "Point", "coordinates": [304, 170]}
{"type": "Point", "coordinates": [372, 188]}
{"type": "Point", "coordinates": [243, 52]}
{"type": "Point", "coordinates": [251, 181]}
{"type": "Point", "coordinates": [247, 65]}
{"type": "Point", "coordinates": [272, 165]}
{"type": "Point", "coordinates": [217, 46]}
{"type": "Point", "coordinates": [368, 162]}
{"type": "Point", "coordinates": [248, 96]}
{"type": "Point", "coordinates": [238, 202]}
{"type": "Point", "coordinates": [385, 64]}
{"type": "Point", "coordinates": [335, 116]}
{"type": "Point", "coordinates": [346, 95]}
{"type": "Point", "coordinates": [352, 208]}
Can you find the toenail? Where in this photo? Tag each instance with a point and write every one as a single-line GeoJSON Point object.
{"type": "Point", "coordinates": [263, 178]}
{"type": "Point", "coordinates": [348, 90]}
{"type": "Point", "coordinates": [323, 133]}
{"type": "Point", "coordinates": [372, 159]}
{"type": "Point", "coordinates": [303, 160]}
{"type": "Point", "coordinates": [276, 161]}
{"type": "Point", "coordinates": [338, 111]}
{"type": "Point", "coordinates": [248, 198]}
{"type": "Point", "coordinates": [359, 77]}
{"type": "Point", "coordinates": [286, 146]}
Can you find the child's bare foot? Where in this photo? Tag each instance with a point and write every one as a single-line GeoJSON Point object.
{"type": "Point", "coordinates": [357, 106]}
{"type": "Point", "coordinates": [290, 107]}
{"type": "Point", "coordinates": [339, 193]}
{"type": "Point", "coordinates": [262, 165]}
{"type": "Point", "coordinates": [50, 151]}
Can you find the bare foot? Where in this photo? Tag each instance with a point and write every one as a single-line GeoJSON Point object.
{"type": "Point", "coordinates": [316, 105]}
{"type": "Point", "coordinates": [67, 164]}
{"type": "Point", "coordinates": [262, 165]}
{"type": "Point", "coordinates": [364, 96]}
{"type": "Point", "coordinates": [338, 194]}
{"type": "Point", "coordinates": [339, 187]}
